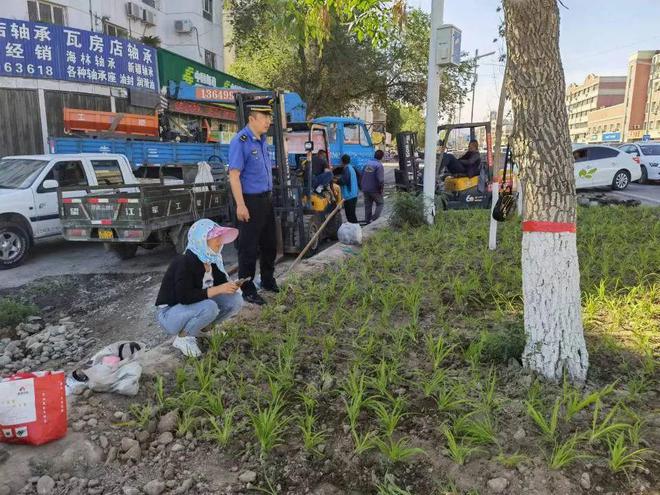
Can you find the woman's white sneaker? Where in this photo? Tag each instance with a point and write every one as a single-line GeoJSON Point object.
{"type": "Point", "coordinates": [187, 345]}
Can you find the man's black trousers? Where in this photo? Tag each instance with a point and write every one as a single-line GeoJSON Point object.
{"type": "Point", "coordinates": [257, 238]}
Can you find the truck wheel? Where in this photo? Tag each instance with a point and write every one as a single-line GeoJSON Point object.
{"type": "Point", "coordinates": [14, 245]}
{"type": "Point", "coordinates": [124, 251]}
{"type": "Point", "coordinates": [311, 226]}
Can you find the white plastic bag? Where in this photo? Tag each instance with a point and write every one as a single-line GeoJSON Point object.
{"type": "Point", "coordinates": [350, 233]}
{"type": "Point", "coordinates": [124, 376]}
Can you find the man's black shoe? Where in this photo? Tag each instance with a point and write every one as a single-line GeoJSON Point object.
{"type": "Point", "coordinates": [270, 286]}
{"type": "Point", "coordinates": [253, 298]}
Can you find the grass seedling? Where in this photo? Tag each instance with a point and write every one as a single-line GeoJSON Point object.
{"type": "Point", "coordinates": [159, 391]}
{"type": "Point", "coordinates": [181, 378]}
{"type": "Point", "coordinates": [566, 453]}
{"type": "Point", "coordinates": [365, 442]}
{"type": "Point", "coordinates": [329, 346]}
{"type": "Point", "coordinates": [451, 399]}
{"type": "Point", "coordinates": [213, 402]}
{"type": "Point", "coordinates": [412, 299]}
{"type": "Point", "coordinates": [385, 376]}
{"type": "Point", "coordinates": [603, 430]}
{"type": "Point", "coordinates": [458, 452]}
{"type": "Point", "coordinates": [473, 353]}
{"type": "Point", "coordinates": [204, 373]}
{"type": "Point", "coordinates": [269, 424]}
{"type": "Point", "coordinates": [221, 431]}
{"type": "Point", "coordinates": [488, 398]}
{"type": "Point", "coordinates": [430, 385]}
{"type": "Point", "coordinates": [437, 349]}
{"type": "Point", "coordinates": [548, 427]}
{"type": "Point", "coordinates": [311, 437]}
{"type": "Point", "coordinates": [389, 487]}
{"type": "Point", "coordinates": [389, 418]}
{"type": "Point", "coordinates": [141, 415]}
{"type": "Point", "coordinates": [621, 457]}
{"type": "Point", "coordinates": [397, 451]}
{"type": "Point", "coordinates": [186, 422]}
{"type": "Point", "coordinates": [477, 427]}
{"type": "Point", "coordinates": [574, 401]}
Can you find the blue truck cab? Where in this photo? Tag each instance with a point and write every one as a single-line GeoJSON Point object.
{"type": "Point", "coordinates": [348, 135]}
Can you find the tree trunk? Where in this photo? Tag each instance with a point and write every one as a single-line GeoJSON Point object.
{"type": "Point", "coordinates": [542, 147]}
{"type": "Point", "coordinates": [498, 123]}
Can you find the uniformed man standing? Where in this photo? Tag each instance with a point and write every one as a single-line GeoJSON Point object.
{"type": "Point", "coordinates": [251, 179]}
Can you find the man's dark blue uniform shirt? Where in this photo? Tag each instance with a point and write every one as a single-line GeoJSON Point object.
{"type": "Point", "coordinates": [250, 155]}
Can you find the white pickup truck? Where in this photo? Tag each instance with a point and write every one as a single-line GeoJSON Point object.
{"type": "Point", "coordinates": [28, 194]}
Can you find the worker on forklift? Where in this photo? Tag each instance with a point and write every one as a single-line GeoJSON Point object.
{"type": "Point", "coordinates": [251, 180]}
{"type": "Point", "coordinates": [467, 165]}
{"type": "Point", "coordinates": [346, 177]}
{"type": "Point", "coordinates": [321, 171]}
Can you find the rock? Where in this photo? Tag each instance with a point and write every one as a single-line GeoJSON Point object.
{"type": "Point", "coordinates": [585, 481]}
{"type": "Point", "coordinates": [154, 487]}
{"type": "Point", "coordinates": [5, 360]}
{"type": "Point", "coordinates": [134, 453]}
{"type": "Point", "coordinates": [328, 382]}
{"type": "Point", "coordinates": [103, 441]}
{"type": "Point", "coordinates": [185, 486]}
{"type": "Point", "coordinates": [498, 485]}
{"type": "Point", "coordinates": [142, 436]}
{"type": "Point", "coordinates": [118, 415]}
{"type": "Point", "coordinates": [93, 422]}
{"type": "Point", "coordinates": [247, 477]}
{"type": "Point", "coordinates": [5, 490]}
{"type": "Point", "coordinates": [177, 447]}
{"type": "Point", "coordinates": [519, 434]}
{"type": "Point", "coordinates": [168, 422]}
{"type": "Point", "coordinates": [4, 454]}
{"type": "Point", "coordinates": [45, 485]}
{"type": "Point", "coordinates": [129, 490]}
{"type": "Point", "coordinates": [78, 425]}
{"type": "Point", "coordinates": [165, 438]}
{"type": "Point", "coordinates": [112, 455]}
{"type": "Point", "coordinates": [128, 443]}
{"type": "Point", "coordinates": [93, 483]}
{"type": "Point", "coordinates": [583, 201]}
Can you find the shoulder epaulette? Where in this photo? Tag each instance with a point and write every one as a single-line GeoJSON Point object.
{"type": "Point", "coordinates": [243, 138]}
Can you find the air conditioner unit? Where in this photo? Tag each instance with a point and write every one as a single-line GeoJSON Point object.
{"type": "Point", "coordinates": [133, 10]}
{"type": "Point", "coordinates": [148, 17]}
{"type": "Point", "coordinates": [183, 26]}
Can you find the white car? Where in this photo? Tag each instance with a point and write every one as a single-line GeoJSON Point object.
{"type": "Point", "coordinates": [647, 154]}
{"type": "Point", "coordinates": [28, 194]}
{"type": "Point", "coordinates": [604, 166]}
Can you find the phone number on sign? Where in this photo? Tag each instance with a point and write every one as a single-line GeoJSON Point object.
{"type": "Point", "coordinates": [20, 68]}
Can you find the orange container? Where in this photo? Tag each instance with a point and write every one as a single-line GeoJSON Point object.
{"type": "Point", "coordinates": [94, 121]}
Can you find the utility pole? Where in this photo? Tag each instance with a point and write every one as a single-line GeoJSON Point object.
{"type": "Point", "coordinates": [432, 97]}
{"type": "Point", "coordinates": [474, 77]}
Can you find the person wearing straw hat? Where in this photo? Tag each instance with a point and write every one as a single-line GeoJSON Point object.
{"type": "Point", "coordinates": [251, 180]}
{"type": "Point", "coordinates": [196, 291]}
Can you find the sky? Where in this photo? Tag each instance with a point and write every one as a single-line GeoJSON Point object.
{"type": "Point", "coordinates": [596, 36]}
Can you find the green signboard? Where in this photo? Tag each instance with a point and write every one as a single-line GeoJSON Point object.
{"type": "Point", "coordinates": [173, 67]}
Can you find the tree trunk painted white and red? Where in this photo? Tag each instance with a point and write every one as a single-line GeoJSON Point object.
{"type": "Point", "coordinates": [542, 147]}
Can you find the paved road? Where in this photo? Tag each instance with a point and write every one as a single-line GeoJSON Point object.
{"type": "Point", "coordinates": [648, 194]}
{"type": "Point", "coordinates": [55, 256]}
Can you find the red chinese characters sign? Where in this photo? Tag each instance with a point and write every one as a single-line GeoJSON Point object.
{"type": "Point", "coordinates": [215, 94]}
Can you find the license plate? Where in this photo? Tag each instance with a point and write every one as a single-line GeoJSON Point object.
{"type": "Point", "coordinates": [105, 234]}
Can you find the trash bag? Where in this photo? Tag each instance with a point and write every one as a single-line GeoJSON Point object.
{"type": "Point", "coordinates": [350, 233]}
{"type": "Point", "coordinates": [115, 368]}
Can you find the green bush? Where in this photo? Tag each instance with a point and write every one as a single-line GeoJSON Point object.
{"type": "Point", "coordinates": [13, 312]}
{"type": "Point", "coordinates": [502, 344]}
{"type": "Point", "coordinates": [408, 210]}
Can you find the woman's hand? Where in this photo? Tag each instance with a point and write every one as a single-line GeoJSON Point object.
{"type": "Point", "coordinates": [226, 288]}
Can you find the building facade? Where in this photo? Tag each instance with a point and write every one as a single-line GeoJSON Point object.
{"type": "Point", "coordinates": [652, 114]}
{"type": "Point", "coordinates": [605, 125]}
{"type": "Point", "coordinates": [594, 93]}
{"type": "Point", "coordinates": [637, 89]}
{"type": "Point", "coordinates": [191, 29]}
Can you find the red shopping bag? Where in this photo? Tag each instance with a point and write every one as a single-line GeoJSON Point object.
{"type": "Point", "coordinates": [33, 408]}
